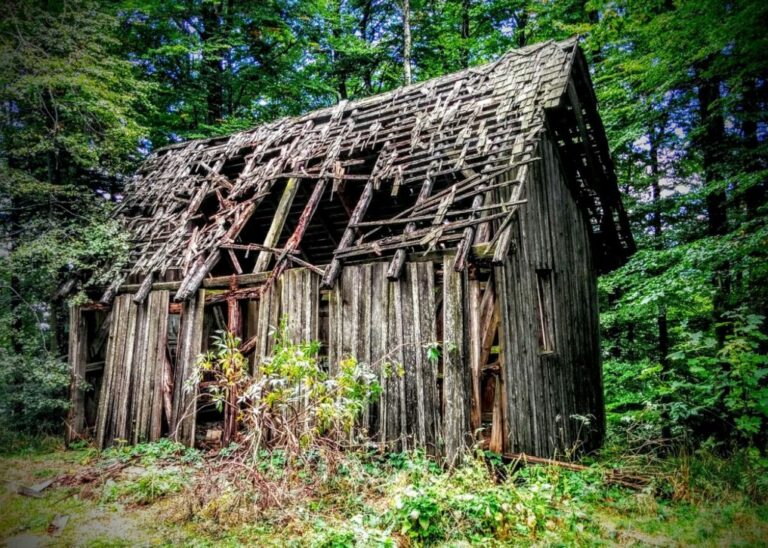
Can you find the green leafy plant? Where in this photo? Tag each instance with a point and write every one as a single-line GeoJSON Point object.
{"type": "Point", "coordinates": [729, 382]}
{"type": "Point", "coordinates": [163, 450]}
{"type": "Point", "coordinates": [291, 402]}
{"type": "Point", "coordinates": [34, 393]}
{"type": "Point", "coordinates": [152, 485]}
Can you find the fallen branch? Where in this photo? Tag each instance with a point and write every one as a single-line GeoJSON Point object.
{"type": "Point", "coordinates": [612, 476]}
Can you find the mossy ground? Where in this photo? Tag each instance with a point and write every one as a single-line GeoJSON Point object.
{"type": "Point", "coordinates": [161, 499]}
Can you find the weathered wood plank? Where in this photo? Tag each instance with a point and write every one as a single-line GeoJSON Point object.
{"type": "Point", "coordinates": [159, 361]}
{"type": "Point", "coordinates": [396, 266]}
{"type": "Point", "coordinates": [474, 334]}
{"type": "Point", "coordinates": [456, 393]}
{"type": "Point", "coordinates": [332, 272]}
{"type": "Point", "coordinates": [123, 401]}
{"type": "Point", "coordinates": [278, 222]}
{"type": "Point", "coordinates": [78, 357]}
{"type": "Point", "coordinates": [104, 411]}
{"type": "Point", "coordinates": [190, 345]}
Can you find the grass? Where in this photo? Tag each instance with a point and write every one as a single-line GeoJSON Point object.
{"type": "Point", "coordinates": [165, 495]}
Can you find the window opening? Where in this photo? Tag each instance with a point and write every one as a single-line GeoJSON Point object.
{"type": "Point", "coordinates": [545, 310]}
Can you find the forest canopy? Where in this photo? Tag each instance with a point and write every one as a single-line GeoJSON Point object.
{"type": "Point", "coordinates": [89, 89]}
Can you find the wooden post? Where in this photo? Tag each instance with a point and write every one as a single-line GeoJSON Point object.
{"type": "Point", "coordinates": [144, 288]}
{"type": "Point", "coordinates": [475, 342]}
{"type": "Point", "coordinates": [194, 277]}
{"type": "Point", "coordinates": [465, 245]}
{"type": "Point", "coordinates": [190, 345]}
{"type": "Point", "coordinates": [234, 326]}
{"type": "Point", "coordinates": [78, 353]}
{"type": "Point", "coordinates": [456, 425]}
{"type": "Point", "coordinates": [497, 425]}
{"type": "Point", "coordinates": [278, 222]}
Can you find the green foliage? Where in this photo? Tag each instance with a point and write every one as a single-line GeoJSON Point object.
{"type": "Point", "coordinates": [152, 485]}
{"type": "Point", "coordinates": [725, 381]}
{"type": "Point", "coordinates": [15, 442]}
{"type": "Point", "coordinates": [71, 126]}
{"type": "Point", "coordinates": [34, 393]}
{"type": "Point", "coordinates": [163, 450]}
{"type": "Point", "coordinates": [292, 396]}
{"type": "Point", "coordinates": [471, 504]}
{"type": "Point", "coordinates": [711, 392]}
{"type": "Point", "coordinates": [293, 390]}
{"type": "Point", "coordinates": [226, 367]}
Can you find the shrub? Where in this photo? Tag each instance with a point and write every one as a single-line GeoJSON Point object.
{"type": "Point", "coordinates": [163, 449]}
{"type": "Point", "coordinates": [33, 393]}
{"type": "Point", "coordinates": [292, 401]}
{"type": "Point", "coordinates": [726, 384]}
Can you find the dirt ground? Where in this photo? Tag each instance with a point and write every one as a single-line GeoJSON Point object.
{"type": "Point", "coordinates": [69, 515]}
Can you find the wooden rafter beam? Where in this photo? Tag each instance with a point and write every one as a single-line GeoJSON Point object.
{"type": "Point", "coordinates": [396, 266]}
{"type": "Point", "coordinates": [326, 226]}
{"type": "Point", "coordinates": [598, 176]}
{"type": "Point", "coordinates": [278, 222]}
{"type": "Point", "coordinates": [332, 272]}
{"type": "Point", "coordinates": [301, 227]}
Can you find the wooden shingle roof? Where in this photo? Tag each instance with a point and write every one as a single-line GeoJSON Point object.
{"type": "Point", "coordinates": [400, 170]}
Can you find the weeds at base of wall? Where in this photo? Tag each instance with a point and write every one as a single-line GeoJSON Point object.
{"type": "Point", "coordinates": [369, 498]}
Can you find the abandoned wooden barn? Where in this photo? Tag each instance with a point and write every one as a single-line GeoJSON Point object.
{"type": "Point", "coordinates": [474, 210]}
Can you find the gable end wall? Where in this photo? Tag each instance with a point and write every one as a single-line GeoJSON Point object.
{"type": "Point", "coordinates": [546, 391]}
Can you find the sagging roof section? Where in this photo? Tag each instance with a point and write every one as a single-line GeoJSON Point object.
{"type": "Point", "coordinates": [417, 168]}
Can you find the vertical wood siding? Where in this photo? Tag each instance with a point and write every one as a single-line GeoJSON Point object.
{"type": "Point", "coordinates": [190, 345]}
{"type": "Point", "coordinates": [389, 325]}
{"type": "Point", "coordinates": [547, 391]}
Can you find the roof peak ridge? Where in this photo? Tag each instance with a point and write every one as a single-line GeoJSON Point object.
{"type": "Point", "coordinates": [330, 110]}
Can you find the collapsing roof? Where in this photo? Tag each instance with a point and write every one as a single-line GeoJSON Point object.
{"type": "Point", "coordinates": [408, 170]}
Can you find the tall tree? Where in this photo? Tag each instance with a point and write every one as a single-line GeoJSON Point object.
{"type": "Point", "coordinates": [406, 8]}
{"type": "Point", "coordinates": [71, 126]}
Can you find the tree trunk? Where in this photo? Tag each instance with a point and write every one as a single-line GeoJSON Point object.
{"type": "Point", "coordinates": [655, 137]}
{"type": "Point", "coordinates": [712, 142]}
{"type": "Point", "coordinates": [755, 195]}
{"type": "Point", "coordinates": [521, 22]}
{"type": "Point", "coordinates": [711, 119]}
{"type": "Point", "coordinates": [212, 70]}
{"type": "Point", "coordinates": [363, 29]}
{"type": "Point", "coordinates": [465, 7]}
{"type": "Point", "coordinates": [339, 68]}
{"type": "Point", "coordinates": [407, 42]}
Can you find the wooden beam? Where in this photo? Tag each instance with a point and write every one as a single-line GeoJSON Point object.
{"type": "Point", "coordinates": [231, 407]}
{"type": "Point", "coordinates": [496, 443]}
{"type": "Point", "coordinates": [78, 354]}
{"type": "Point", "coordinates": [189, 346]}
{"type": "Point", "coordinates": [502, 239]}
{"type": "Point", "coordinates": [278, 222]}
{"type": "Point", "coordinates": [396, 266]}
{"type": "Point", "coordinates": [465, 245]}
{"type": "Point", "coordinates": [144, 288]}
{"type": "Point", "coordinates": [332, 272]}
{"type": "Point", "coordinates": [195, 276]}
{"type": "Point", "coordinates": [473, 299]}
{"type": "Point", "coordinates": [456, 381]}
{"type": "Point", "coordinates": [234, 261]}
{"type": "Point", "coordinates": [328, 228]}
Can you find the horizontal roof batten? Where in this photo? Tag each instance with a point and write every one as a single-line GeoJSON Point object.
{"type": "Point", "coordinates": [479, 251]}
